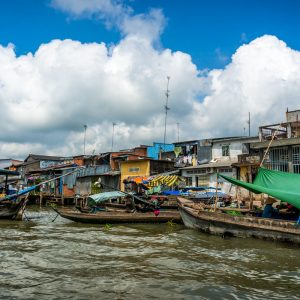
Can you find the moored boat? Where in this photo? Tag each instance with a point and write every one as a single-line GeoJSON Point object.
{"type": "Point", "coordinates": [113, 217]}
{"type": "Point", "coordinates": [12, 210]}
{"type": "Point", "coordinates": [12, 205]}
{"type": "Point", "coordinates": [223, 224]}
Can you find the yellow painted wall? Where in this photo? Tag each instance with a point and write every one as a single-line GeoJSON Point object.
{"type": "Point", "coordinates": [244, 177]}
{"type": "Point", "coordinates": [127, 169]}
{"type": "Point", "coordinates": [243, 173]}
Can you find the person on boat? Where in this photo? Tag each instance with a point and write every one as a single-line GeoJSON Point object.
{"type": "Point", "coordinates": [269, 211]}
{"type": "Point", "coordinates": [293, 211]}
{"type": "Point", "coordinates": [129, 202]}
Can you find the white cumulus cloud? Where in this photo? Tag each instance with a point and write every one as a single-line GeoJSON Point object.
{"type": "Point", "coordinates": [263, 78]}
{"type": "Point", "coordinates": [116, 14]}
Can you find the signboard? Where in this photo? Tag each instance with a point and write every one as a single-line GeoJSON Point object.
{"type": "Point", "coordinates": [51, 163]}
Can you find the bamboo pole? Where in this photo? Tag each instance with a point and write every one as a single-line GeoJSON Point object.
{"type": "Point", "coordinates": [216, 198]}
{"type": "Point", "coordinates": [267, 150]}
{"type": "Point", "coordinates": [41, 199]}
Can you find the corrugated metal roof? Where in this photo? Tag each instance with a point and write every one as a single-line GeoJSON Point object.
{"type": "Point", "coordinates": [46, 157]}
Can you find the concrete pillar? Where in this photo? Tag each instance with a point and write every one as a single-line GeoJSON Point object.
{"type": "Point", "coordinates": [289, 131]}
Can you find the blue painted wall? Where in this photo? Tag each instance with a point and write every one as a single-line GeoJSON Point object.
{"type": "Point", "coordinates": [154, 150]}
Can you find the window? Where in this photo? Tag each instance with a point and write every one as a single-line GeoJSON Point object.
{"type": "Point", "coordinates": [198, 171]}
{"type": "Point", "coordinates": [189, 181]}
{"type": "Point", "coordinates": [225, 170]}
{"type": "Point", "coordinates": [278, 159]}
{"type": "Point", "coordinates": [296, 159]}
{"type": "Point", "coordinates": [203, 180]}
{"type": "Point", "coordinates": [225, 150]}
{"type": "Point", "coordinates": [134, 170]}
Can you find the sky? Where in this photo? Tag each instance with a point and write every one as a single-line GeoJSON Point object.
{"type": "Point", "coordinates": [69, 63]}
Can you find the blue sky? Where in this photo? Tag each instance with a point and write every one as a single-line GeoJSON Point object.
{"type": "Point", "coordinates": [210, 31]}
{"type": "Point", "coordinates": [99, 62]}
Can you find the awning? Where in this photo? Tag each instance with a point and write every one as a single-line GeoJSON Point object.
{"type": "Point", "coordinates": [102, 197]}
{"type": "Point", "coordinates": [281, 185]}
{"type": "Point", "coordinates": [137, 179]}
{"type": "Point", "coordinates": [168, 180]}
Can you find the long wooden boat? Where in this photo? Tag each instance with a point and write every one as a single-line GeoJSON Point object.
{"type": "Point", "coordinates": [223, 224]}
{"type": "Point", "coordinates": [113, 217]}
{"type": "Point", "coordinates": [12, 210]}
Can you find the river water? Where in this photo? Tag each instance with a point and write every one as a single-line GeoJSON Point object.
{"type": "Point", "coordinates": [41, 259]}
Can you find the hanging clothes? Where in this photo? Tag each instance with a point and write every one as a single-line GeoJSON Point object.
{"type": "Point", "coordinates": [177, 151]}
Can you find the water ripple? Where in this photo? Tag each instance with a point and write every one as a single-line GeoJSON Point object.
{"type": "Point", "coordinates": [41, 259]}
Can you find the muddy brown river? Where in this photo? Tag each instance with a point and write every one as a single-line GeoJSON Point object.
{"type": "Point", "coordinates": [41, 259]}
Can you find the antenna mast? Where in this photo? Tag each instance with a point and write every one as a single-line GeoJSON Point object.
{"type": "Point", "coordinates": [249, 123]}
{"type": "Point", "coordinates": [166, 109]}
{"type": "Point", "coordinates": [84, 138]}
{"type": "Point", "coordinates": [112, 137]}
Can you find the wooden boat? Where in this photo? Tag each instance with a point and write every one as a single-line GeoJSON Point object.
{"type": "Point", "coordinates": [120, 216]}
{"type": "Point", "coordinates": [223, 224]}
{"type": "Point", "coordinates": [12, 210]}
{"type": "Point", "coordinates": [11, 206]}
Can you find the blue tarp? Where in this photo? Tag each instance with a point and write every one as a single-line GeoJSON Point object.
{"type": "Point", "coordinates": [20, 193]}
{"type": "Point", "coordinates": [205, 195]}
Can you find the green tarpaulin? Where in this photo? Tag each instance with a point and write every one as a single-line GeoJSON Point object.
{"type": "Point", "coordinates": [97, 198]}
{"type": "Point", "coordinates": [281, 185]}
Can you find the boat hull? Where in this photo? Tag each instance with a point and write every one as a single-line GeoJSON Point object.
{"type": "Point", "coordinates": [10, 210]}
{"type": "Point", "coordinates": [120, 217]}
{"type": "Point", "coordinates": [226, 225]}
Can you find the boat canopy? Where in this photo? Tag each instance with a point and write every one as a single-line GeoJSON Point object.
{"type": "Point", "coordinates": [168, 180]}
{"type": "Point", "coordinates": [8, 172]}
{"type": "Point", "coordinates": [20, 193]}
{"type": "Point", "coordinates": [281, 185]}
{"type": "Point", "coordinates": [102, 197]}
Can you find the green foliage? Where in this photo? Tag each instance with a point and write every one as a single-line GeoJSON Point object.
{"type": "Point", "coordinates": [53, 205]}
{"type": "Point", "coordinates": [107, 227]}
{"type": "Point", "coordinates": [170, 223]}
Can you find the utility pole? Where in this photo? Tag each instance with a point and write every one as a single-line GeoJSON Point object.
{"type": "Point", "coordinates": [166, 109]}
{"type": "Point", "coordinates": [249, 123]}
{"type": "Point", "coordinates": [178, 131]}
{"type": "Point", "coordinates": [112, 138]}
{"type": "Point", "coordinates": [84, 138]}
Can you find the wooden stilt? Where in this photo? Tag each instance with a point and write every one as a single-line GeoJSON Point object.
{"type": "Point", "coordinates": [238, 198]}
{"type": "Point", "coordinates": [251, 201]}
{"type": "Point", "coordinates": [216, 198]}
